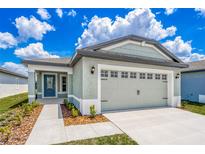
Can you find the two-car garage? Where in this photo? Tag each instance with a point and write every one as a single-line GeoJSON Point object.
{"type": "Point", "coordinates": [122, 90]}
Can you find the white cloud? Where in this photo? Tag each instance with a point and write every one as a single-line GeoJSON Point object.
{"type": "Point", "coordinates": [72, 13]}
{"type": "Point", "coordinates": [139, 22]}
{"type": "Point", "coordinates": [201, 11]}
{"type": "Point", "coordinates": [32, 28]}
{"type": "Point", "coordinates": [7, 40]}
{"type": "Point", "coordinates": [33, 50]}
{"type": "Point", "coordinates": [44, 14]}
{"type": "Point", "coordinates": [183, 49]}
{"type": "Point", "coordinates": [169, 11]}
{"type": "Point", "coordinates": [17, 68]}
{"type": "Point", "coordinates": [85, 21]}
{"type": "Point", "coordinates": [59, 12]}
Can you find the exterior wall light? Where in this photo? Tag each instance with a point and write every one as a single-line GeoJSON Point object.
{"type": "Point", "coordinates": [92, 70]}
{"type": "Point", "coordinates": [177, 76]}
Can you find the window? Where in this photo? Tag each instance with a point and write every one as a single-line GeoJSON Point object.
{"type": "Point", "coordinates": [142, 75]}
{"type": "Point", "coordinates": [124, 74]}
{"type": "Point", "coordinates": [104, 73]}
{"type": "Point", "coordinates": [164, 77]}
{"type": "Point", "coordinates": [50, 83]}
{"type": "Point", "coordinates": [149, 76]}
{"type": "Point", "coordinates": [114, 74]}
{"type": "Point", "coordinates": [133, 75]}
{"type": "Point", "coordinates": [157, 76]}
{"type": "Point", "coordinates": [64, 84]}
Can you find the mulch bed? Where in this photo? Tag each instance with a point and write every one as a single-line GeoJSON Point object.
{"type": "Point", "coordinates": [69, 120]}
{"type": "Point", "coordinates": [19, 134]}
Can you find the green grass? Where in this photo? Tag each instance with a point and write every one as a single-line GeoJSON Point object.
{"type": "Point", "coordinates": [194, 107]}
{"type": "Point", "coordinates": [118, 139]}
{"type": "Point", "coordinates": [10, 102]}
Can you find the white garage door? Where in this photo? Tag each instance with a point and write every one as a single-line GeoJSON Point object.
{"type": "Point", "coordinates": [128, 90]}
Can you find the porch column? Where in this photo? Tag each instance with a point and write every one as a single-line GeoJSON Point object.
{"type": "Point", "coordinates": [31, 86]}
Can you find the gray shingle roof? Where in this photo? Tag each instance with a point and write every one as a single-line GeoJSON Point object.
{"type": "Point", "coordinates": [12, 73]}
{"type": "Point", "coordinates": [49, 61]}
{"type": "Point", "coordinates": [195, 66]}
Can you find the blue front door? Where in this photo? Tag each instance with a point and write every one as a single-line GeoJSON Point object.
{"type": "Point", "coordinates": [49, 85]}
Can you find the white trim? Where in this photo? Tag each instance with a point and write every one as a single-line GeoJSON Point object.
{"type": "Point", "coordinates": [33, 68]}
{"type": "Point", "coordinates": [137, 43]}
{"type": "Point", "coordinates": [31, 96]}
{"type": "Point", "coordinates": [42, 77]}
{"type": "Point", "coordinates": [170, 79]}
{"type": "Point", "coordinates": [63, 92]}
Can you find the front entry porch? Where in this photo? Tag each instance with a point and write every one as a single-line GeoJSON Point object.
{"type": "Point", "coordinates": [51, 101]}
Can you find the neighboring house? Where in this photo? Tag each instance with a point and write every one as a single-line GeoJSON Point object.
{"type": "Point", "coordinates": [193, 82]}
{"type": "Point", "coordinates": [12, 83]}
{"type": "Point", "coordinates": [124, 73]}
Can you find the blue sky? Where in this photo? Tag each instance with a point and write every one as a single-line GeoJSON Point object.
{"type": "Point", "coordinates": [43, 33]}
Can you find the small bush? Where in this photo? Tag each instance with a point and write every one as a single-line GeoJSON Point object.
{"type": "Point", "coordinates": [65, 101]}
{"type": "Point", "coordinates": [92, 111]}
{"type": "Point", "coordinates": [35, 104]}
{"type": "Point", "coordinates": [27, 109]}
{"type": "Point", "coordinates": [18, 119]}
{"type": "Point", "coordinates": [5, 131]}
{"type": "Point", "coordinates": [74, 112]}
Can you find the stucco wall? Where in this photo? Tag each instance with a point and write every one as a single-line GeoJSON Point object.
{"type": "Point", "coordinates": [90, 80]}
{"type": "Point", "coordinates": [9, 86]}
{"type": "Point", "coordinates": [192, 85]}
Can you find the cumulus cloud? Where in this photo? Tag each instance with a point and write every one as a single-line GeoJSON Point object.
{"type": "Point", "coordinates": [85, 21]}
{"type": "Point", "coordinates": [139, 22]}
{"type": "Point", "coordinates": [201, 11]}
{"type": "Point", "coordinates": [72, 13]}
{"type": "Point", "coordinates": [169, 11]}
{"type": "Point", "coordinates": [32, 28]}
{"type": "Point", "coordinates": [183, 49]}
{"type": "Point", "coordinates": [7, 40]}
{"type": "Point", "coordinates": [59, 12]}
{"type": "Point", "coordinates": [44, 14]}
{"type": "Point", "coordinates": [33, 50]}
{"type": "Point", "coordinates": [17, 68]}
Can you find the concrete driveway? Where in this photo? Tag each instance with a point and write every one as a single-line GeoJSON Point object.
{"type": "Point", "coordinates": [161, 126]}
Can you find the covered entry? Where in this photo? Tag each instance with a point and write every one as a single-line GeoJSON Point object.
{"type": "Point", "coordinates": [131, 89]}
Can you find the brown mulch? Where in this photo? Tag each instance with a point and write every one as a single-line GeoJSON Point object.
{"type": "Point", "coordinates": [19, 134]}
{"type": "Point", "coordinates": [69, 120]}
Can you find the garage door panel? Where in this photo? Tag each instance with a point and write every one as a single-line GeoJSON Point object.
{"type": "Point", "coordinates": [122, 93]}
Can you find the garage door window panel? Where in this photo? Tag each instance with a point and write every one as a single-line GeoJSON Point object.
{"type": "Point", "coordinates": [142, 75]}
{"type": "Point", "coordinates": [124, 74]}
{"type": "Point", "coordinates": [133, 75]}
{"type": "Point", "coordinates": [157, 76]}
{"type": "Point", "coordinates": [164, 77]}
{"type": "Point", "coordinates": [104, 73]}
{"type": "Point", "coordinates": [114, 74]}
{"type": "Point", "coordinates": [149, 76]}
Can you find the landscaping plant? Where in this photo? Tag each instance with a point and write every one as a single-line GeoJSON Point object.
{"type": "Point", "coordinates": [74, 112]}
{"type": "Point", "coordinates": [27, 109]}
{"type": "Point", "coordinates": [92, 111]}
{"type": "Point", "coordinates": [18, 119]}
{"type": "Point", "coordinates": [5, 132]}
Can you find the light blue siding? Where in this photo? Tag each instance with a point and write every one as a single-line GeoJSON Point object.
{"type": "Point", "coordinates": [138, 50]}
{"type": "Point", "coordinates": [192, 85]}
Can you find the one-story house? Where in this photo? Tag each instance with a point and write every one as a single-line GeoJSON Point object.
{"type": "Point", "coordinates": [124, 73]}
{"type": "Point", "coordinates": [193, 82]}
{"type": "Point", "coordinates": [12, 83]}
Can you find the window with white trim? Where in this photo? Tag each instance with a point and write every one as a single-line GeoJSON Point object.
{"type": "Point", "coordinates": [104, 73]}
{"type": "Point", "coordinates": [164, 77]}
{"type": "Point", "coordinates": [149, 75]}
{"type": "Point", "coordinates": [124, 74]}
{"type": "Point", "coordinates": [114, 74]}
{"type": "Point", "coordinates": [133, 75]}
{"type": "Point", "coordinates": [142, 75]}
{"type": "Point", "coordinates": [157, 76]}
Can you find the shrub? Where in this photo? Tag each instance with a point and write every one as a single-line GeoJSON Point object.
{"type": "Point", "coordinates": [35, 104]}
{"type": "Point", "coordinates": [5, 131]}
{"type": "Point", "coordinates": [92, 111]}
{"type": "Point", "coordinates": [74, 112]}
{"type": "Point", "coordinates": [27, 109]}
{"type": "Point", "coordinates": [18, 119]}
{"type": "Point", "coordinates": [65, 101]}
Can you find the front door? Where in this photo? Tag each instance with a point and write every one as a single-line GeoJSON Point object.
{"type": "Point", "coordinates": [49, 85]}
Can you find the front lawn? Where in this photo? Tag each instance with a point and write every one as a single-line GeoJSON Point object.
{"type": "Point", "coordinates": [194, 107]}
{"type": "Point", "coordinates": [7, 103]}
{"type": "Point", "coordinates": [119, 139]}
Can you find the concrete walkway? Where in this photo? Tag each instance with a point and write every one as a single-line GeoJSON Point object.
{"type": "Point", "coordinates": [50, 129]}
